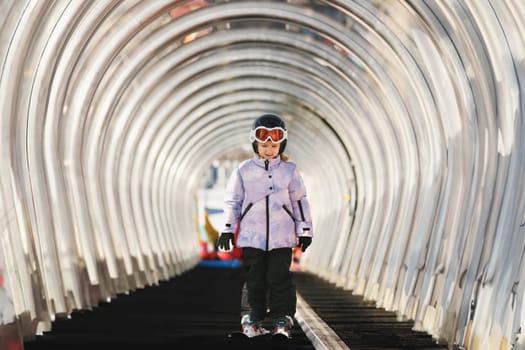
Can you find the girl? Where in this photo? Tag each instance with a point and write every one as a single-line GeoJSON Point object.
{"type": "Point", "coordinates": [266, 196]}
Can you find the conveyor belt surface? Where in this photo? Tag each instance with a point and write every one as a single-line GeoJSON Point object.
{"type": "Point", "coordinates": [358, 323]}
{"type": "Point", "coordinates": [197, 309]}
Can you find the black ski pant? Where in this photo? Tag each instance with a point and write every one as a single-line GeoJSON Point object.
{"type": "Point", "coordinates": [269, 282]}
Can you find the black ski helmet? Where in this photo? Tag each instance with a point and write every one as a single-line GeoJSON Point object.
{"type": "Point", "coordinates": [269, 120]}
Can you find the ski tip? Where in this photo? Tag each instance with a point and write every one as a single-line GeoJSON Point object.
{"type": "Point", "coordinates": [280, 338]}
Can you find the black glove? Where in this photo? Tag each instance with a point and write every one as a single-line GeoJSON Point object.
{"type": "Point", "coordinates": [225, 242]}
{"type": "Point", "coordinates": [304, 242]}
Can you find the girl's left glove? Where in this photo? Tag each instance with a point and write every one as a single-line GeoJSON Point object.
{"type": "Point", "coordinates": [225, 242]}
{"type": "Point", "coordinates": [304, 242]}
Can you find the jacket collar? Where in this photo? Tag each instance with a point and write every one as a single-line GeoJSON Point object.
{"type": "Point", "coordinates": [272, 162]}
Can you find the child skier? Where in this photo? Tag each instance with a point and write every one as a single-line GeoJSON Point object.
{"type": "Point", "coordinates": [266, 196]}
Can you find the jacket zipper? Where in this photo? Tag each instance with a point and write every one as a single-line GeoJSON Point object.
{"type": "Point", "coordinates": [288, 211]}
{"type": "Point", "coordinates": [301, 209]}
{"type": "Point", "coordinates": [246, 210]}
{"type": "Point", "coordinates": [267, 212]}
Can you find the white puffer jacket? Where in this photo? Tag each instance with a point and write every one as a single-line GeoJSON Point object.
{"type": "Point", "coordinates": [268, 199]}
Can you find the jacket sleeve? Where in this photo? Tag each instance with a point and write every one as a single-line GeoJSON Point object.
{"type": "Point", "coordinates": [300, 206]}
{"type": "Point", "coordinates": [233, 199]}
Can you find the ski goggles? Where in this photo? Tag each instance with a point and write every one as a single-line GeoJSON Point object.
{"type": "Point", "coordinates": [263, 134]}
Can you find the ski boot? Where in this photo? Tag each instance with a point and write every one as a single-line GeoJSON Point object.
{"type": "Point", "coordinates": [282, 328]}
{"type": "Point", "coordinates": [252, 328]}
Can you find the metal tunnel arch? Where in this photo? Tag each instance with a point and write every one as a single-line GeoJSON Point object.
{"type": "Point", "coordinates": [405, 117]}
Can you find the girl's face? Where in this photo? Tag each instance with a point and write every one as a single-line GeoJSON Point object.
{"type": "Point", "coordinates": [268, 149]}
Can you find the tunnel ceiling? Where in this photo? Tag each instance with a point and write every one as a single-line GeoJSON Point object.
{"type": "Point", "coordinates": [404, 116]}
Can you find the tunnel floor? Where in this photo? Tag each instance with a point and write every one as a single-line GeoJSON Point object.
{"type": "Point", "coordinates": [200, 307]}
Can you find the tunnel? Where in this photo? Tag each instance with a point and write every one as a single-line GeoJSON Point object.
{"type": "Point", "coordinates": [404, 116]}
